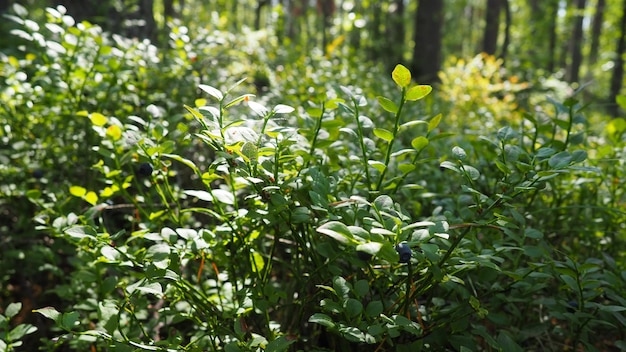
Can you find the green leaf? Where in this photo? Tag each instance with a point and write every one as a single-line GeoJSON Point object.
{"type": "Point", "coordinates": [380, 167]}
{"type": "Point", "coordinates": [187, 162]}
{"type": "Point", "coordinates": [13, 309]}
{"type": "Point", "coordinates": [545, 152]}
{"type": "Point", "coordinates": [387, 104]}
{"type": "Point", "coordinates": [257, 261]}
{"type": "Point", "coordinates": [579, 156]}
{"type": "Point", "coordinates": [419, 143]}
{"type": "Point", "coordinates": [388, 252]}
{"type": "Point", "coordinates": [336, 230]}
{"type": "Point", "coordinates": [374, 309]}
{"type": "Point", "coordinates": [383, 134]}
{"type": "Point", "coordinates": [49, 313]}
{"type": "Point", "coordinates": [322, 319]}
{"type": "Point", "coordinates": [506, 134]}
{"type": "Point", "coordinates": [353, 307]}
{"type": "Point", "coordinates": [78, 191]}
{"type": "Point", "coordinates": [459, 153]}
{"type": "Point", "coordinates": [249, 151]}
{"type": "Point", "coordinates": [434, 122]}
{"type": "Point", "coordinates": [560, 160]}
{"type": "Point", "coordinates": [361, 288]}
{"type": "Point", "coordinates": [69, 320]}
{"type": "Point", "coordinates": [570, 281]}
{"type": "Point", "coordinates": [212, 91]}
{"type": "Point", "coordinates": [146, 287]}
{"type": "Point", "coordinates": [450, 166]}
{"type": "Point", "coordinates": [219, 195]}
{"type": "Point", "coordinates": [418, 92]}
{"type": "Point", "coordinates": [401, 75]}
{"type": "Point", "coordinates": [609, 308]}
{"type": "Point", "coordinates": [259, 109]}
{"type": "Point", "coordinates": [224, 196]}
{"type": "Point", "coordinates": [238, 100]}
{"type": "Point", "coordinates": [472, 172]}
{"type": "Point", "coordinates": [503, 167]}
{"type": "Point", "coordinates": [383, 202]}
{"type": "Point", "coordinates": [81, 232]}
{"type": "Point", "coordinates": [20, 331]}
{"type": "Point", "coordinates": [300, 215]}
{"type": "Point", "coordinates": [279, 345]}
{"type": "Point", "coordinates": [406, 168]}
{"type": "Point", "coordinates": [283, 109]}
{"type": "Point", "coordinates": [314, 112]}
{"type": "Point", "coordinates": [621, 101]}
{"type": "Point", "coordinates": [371, 247]}
{"type": "Point", "coordinates": [202, 195]}
{"type": "Point", "coordinates": [506, 343]}
{"type": "Point", "coordinates": [341, 286]}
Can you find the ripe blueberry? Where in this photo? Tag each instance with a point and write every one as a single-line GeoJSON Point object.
{"type": "Point", "coordinates": [405, 252]}
{"type": "Point", "coordinates": [364, 256]}
{"type": "Point", "coordinates": [145, 169]}
{"type": "Point", "coordinates": [38, 173]}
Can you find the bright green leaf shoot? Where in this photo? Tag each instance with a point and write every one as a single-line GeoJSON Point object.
{"type": "Point", "coordinates": [401, 75]}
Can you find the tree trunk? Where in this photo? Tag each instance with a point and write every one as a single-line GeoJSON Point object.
{"type": "Point", "coordinates": [427, 37]}
{"type": "Point", "coordinates": [146, 13]}
{"type": "Point", "coordinates": [596, 31]}
{"type": "Point", "coordinates": [327, 10]}
{"type": "Point", "coordinates": [507, 29]}
{"type": "Point", "coordinates": [552, 15]}
{"type": "Point", "coordinates": [168, 9]}
{"type": "Point", "coordinates": [375, 34]}
{"type": "Point", "coordinates": [394, 34]}
{"type": "Point", "coordinates": [492, 26]}
{"type": "Point", "coordinates": [576, 42]}
{"type": "Point", "coordinates": [618, 71]}
{"type": "Point", "coordinates": [257, 13]}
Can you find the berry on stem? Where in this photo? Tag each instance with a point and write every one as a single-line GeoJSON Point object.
{"type": "Point", "coordinates": [404, 251]}
{"type": "Point", "coordinates": [145, 169]}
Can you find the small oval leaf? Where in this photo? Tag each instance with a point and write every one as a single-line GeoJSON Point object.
{"type": "Point", "coordinates": [387, 104]}
{"type": "Point", "coordinates": [212, 91]}
{"type": "Point", "coordinates": [418, 92]}
{"type": "Point", "coordinates": [383, 134]}
{"type": "Point", "coordinates": [401, 75]}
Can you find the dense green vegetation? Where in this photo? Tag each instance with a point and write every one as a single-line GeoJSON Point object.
{"type": "Point", "coordinates": [224, 191]}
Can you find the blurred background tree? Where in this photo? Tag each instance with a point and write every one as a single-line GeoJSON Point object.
{"type": "Point", "coordinates": [578, 41]}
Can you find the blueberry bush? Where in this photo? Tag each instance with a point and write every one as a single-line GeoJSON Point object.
{"type": "Point", "coordinates": [157, 199]}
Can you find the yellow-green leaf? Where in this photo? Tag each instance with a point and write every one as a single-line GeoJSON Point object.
{"type": "Point", "coordinates": [383, 134]}
{"type": "Point", "coordinates": [377, 165]}
{"type": "Point", "coordinates": [78, 191]}
{"type": "Point", "coordinates": [388, 104]}
{"type": "Point", "coordinates": [419, 143]}
{"type": "Point", "coordinates": [108, 191]}
{"type": "Point", "coordinates": [257, 262]}
{"type": "Point", "coordinates": [200, 102]}
{"type": "Point", "coordinates": [194, 112]}
{"type": "Point", "coordinates": [98, 119]}
{"type": "Point", "coordinates": [114, 132]}
{"type": "Point", "coordinates": [91, 198]}
{"type": "Point", "coordinates": [155, 215]}
{"type": "Point", "coordinates": [418, 92]}
{"type": "Point", "coordinates": [434, 122]}
{"type": "Point", "coordinates": [401, 75]}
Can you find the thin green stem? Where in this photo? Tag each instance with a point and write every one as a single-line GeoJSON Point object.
{"type": "Point", "coordinates": [396, 127]}
{"type": "Point", "coordinates": [362, 143]}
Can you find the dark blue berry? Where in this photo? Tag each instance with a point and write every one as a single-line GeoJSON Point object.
{"type": "Point", "coordinates": [405, 252]}
{"type": "Point", "coordinates": [364, 256]}
{"type": "Point", "coordinates": [145, 169]}
{"type": "Point", "coordinates": [38, 173]}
